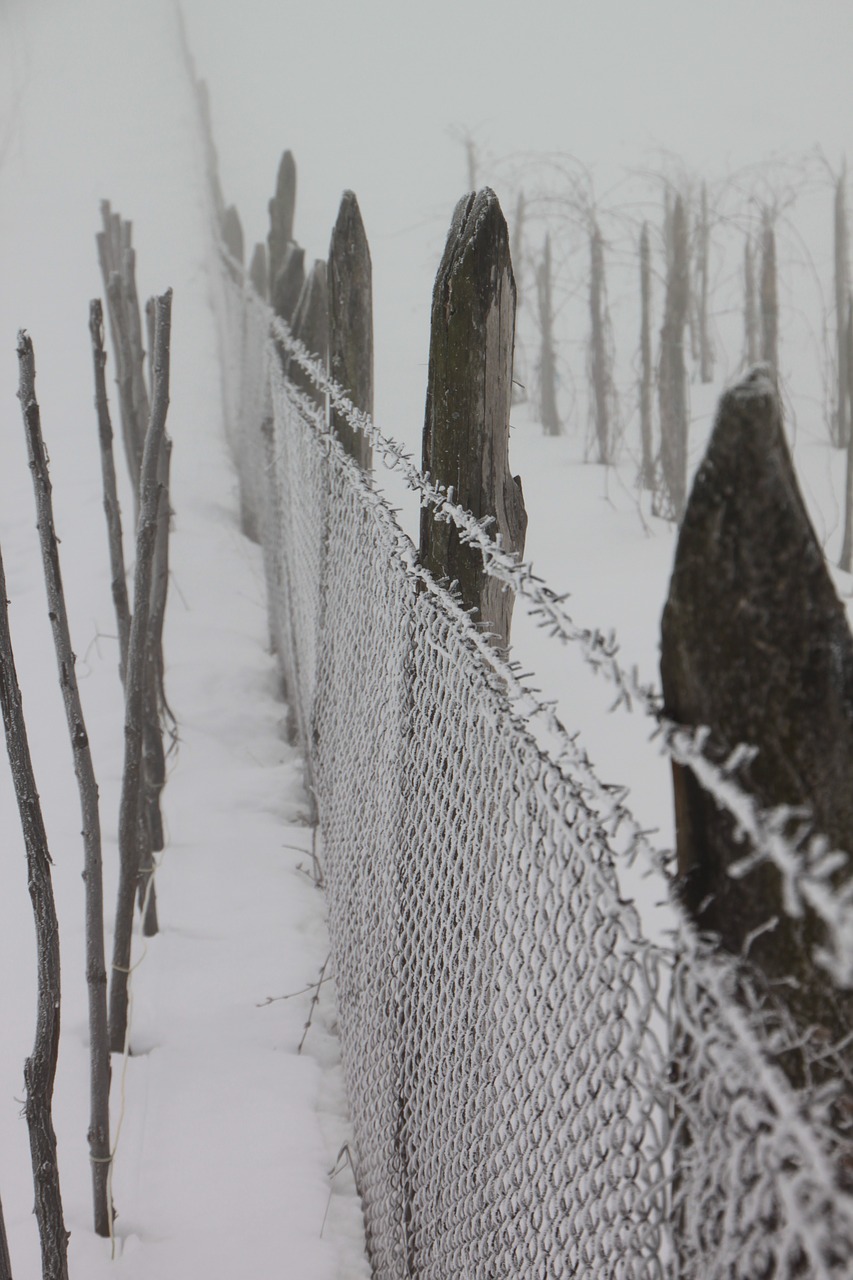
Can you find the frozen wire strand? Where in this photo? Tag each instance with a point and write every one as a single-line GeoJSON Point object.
{"type": "Point", "coordinates": [805, 880]}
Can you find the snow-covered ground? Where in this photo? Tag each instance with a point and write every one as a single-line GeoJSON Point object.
{"type": "Point", "coordinates": [225, 1136]}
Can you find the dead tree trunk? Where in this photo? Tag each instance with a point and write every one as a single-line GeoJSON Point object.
{"type": "Point", "coordinates": [751, 341]}
{"type": "Point", "coordinates": [672, 382]}
{"type": "Point", "coordinates": [647, 464]}
{"type": "Point", "coordinates": [706, 350]}
{"type": "Point", "coordinates": [40, 1067]}
{"type": "Point", "coordinates": [842, 294]}
{"type": "Point", "coordinates": [282, 208]}
{"type": "Point", "coordinates": [96, 972]}
{"type": "Point", "coordinates": [755, 644]}
{"type": "Point", "coordinates": [350, 295]}
{"type": "Point", "coordinates": [769, 296]}
{"type": "Point", "coordinates": [469, 390]}
{"type": "Point", "coordinates": [129, 812]}
{"type": "Point", "coordinates": [601, 376]}
{"type": "Point", "coordinates": [547, 361]}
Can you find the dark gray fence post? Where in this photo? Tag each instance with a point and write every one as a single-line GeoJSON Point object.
{"type": "Point", "coordinates": [350, 296]}
{"type": "Point", "coordinates": [258, 270]}
{"type": "Point", "coordinates": [282, 208]}
{"type": "Point", "coordinates": [755, 644]}
{"type": "Point", "coordinates": [311, 327]}
{"type": "Point", "coordinates": [466, 433]}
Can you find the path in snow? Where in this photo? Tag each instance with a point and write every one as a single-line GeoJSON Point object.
{"type": "Point", "coordinates": [227, 1135]}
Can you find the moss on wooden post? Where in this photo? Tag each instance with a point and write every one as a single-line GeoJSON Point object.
{"type": "Point", "coordinates": [350, 297]}
{"type": "Point", "coordinates": [466, 434]}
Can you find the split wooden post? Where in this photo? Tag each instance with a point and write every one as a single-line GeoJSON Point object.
{"type": "Point", "coordinates": [350, 294]}
{"type": "Point", "coordinates": [756, 645]}
{"type": "Point", "coordinates": [469, 391]}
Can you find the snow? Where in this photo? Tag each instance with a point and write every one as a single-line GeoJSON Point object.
{"type": "Point", "coordinates": [227, 1135]}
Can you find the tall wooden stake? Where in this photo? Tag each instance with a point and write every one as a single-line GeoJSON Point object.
{"type": "Point", "coordinates": [96, 972]}
{"type": "Point", "coordinates": [129, 812]}
{"type": "Point", "coordinates": [40, 1067]}
{"type": "Point", "coordinates": [469, 390]}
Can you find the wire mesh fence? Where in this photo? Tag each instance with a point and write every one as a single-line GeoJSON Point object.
{"type": "Point", "coordinates": [537, 1087]}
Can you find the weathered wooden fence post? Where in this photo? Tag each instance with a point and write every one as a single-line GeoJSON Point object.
{"type": "Point", "coordinates": [755, 644]}
{"type": "Point", "coordinates": [282, 208]}
{"type": "Point", "coordinates": [350, 300]}
{"type": "Point", "coordinates": [842, 292]}
{"type": "Point", "coordinates": [232, 234]}
{"type": "Point", "coordinates": [311, 327]}
{"type": "Point", "coordinates": [258, 273]}
{"type": "Point", "coordinates": [469, 390]}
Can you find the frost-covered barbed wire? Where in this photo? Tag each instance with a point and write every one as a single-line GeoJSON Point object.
{"type": "Point", "coordinates": [806, 864]}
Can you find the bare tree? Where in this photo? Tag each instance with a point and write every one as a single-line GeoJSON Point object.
{"type": "Point", "coordinates": [769, 296]}
{"type": "Point", "coordinates": [601, 373]}
{"type": "Point", "coordinates": [706, 350]}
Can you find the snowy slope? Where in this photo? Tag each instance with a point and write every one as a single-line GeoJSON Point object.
{"type": "Point", "coordinates": [225, 1136]}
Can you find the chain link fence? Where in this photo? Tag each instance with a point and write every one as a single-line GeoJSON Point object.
{"type": "Point", "coordinates": [537, 1087]}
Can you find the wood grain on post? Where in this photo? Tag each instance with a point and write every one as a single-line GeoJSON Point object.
{"type": "Point", "coordinates": [756, 645]}
{"type": "Point", "coordinates": [282, 209]}
{"type": "Point", "coordinates": [350, 294]}
{"type": "Point", "coordinates": [311, 327]}
{"type": "Point", "coordinates": [96, 972]}
{"type": "Point", "coordinates": [469, 390]}
{"type": "Point", "coordinates": [40, 1066]}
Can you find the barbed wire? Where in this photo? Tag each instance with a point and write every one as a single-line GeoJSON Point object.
{"type": "Point", "coordinates": [806, 863]}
